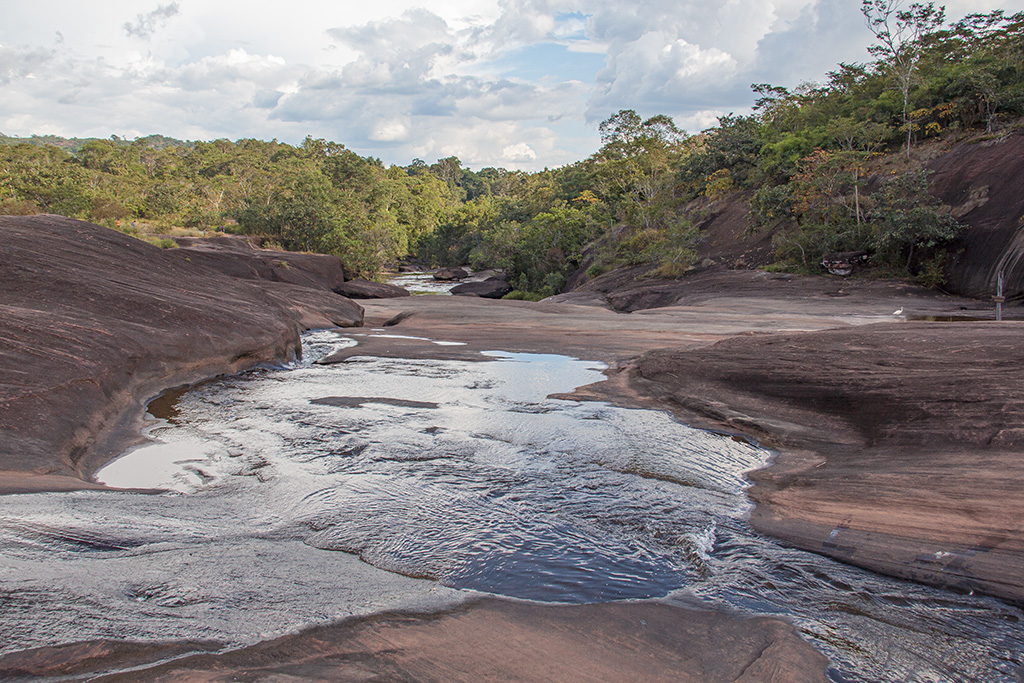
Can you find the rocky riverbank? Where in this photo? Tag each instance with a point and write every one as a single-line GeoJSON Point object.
{"type": "Point", "coordinates": [901, 444]}
{"type": "Point", "coordinates": [485, 640]}
{"type": "Point", "coordinates": [899, 440]}
{"type": "Point", "coordinates": [96, 323]}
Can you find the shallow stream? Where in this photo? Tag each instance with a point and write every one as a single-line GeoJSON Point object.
{"type": "Point", "coordinates": [314, 492]}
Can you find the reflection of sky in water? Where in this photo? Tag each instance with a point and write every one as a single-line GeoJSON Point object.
{"type": "Point", "coordinates": [497, 488]}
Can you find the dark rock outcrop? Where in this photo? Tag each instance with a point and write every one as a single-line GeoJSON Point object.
{"type": "Point", "coordinates": [365, 289]}
{"type": "Point", "coordinates": [238, 257]}
{"type": "Point", "coordinates": [491, 288]}
{"type": "Point", "coordinates": [489, 640]}
{"type": "Point", "coordinates": [448, 274]}
{"type": "Point", "coordinates": [981, 182]}
{"type": "Point", "coordinates": [94, 323]}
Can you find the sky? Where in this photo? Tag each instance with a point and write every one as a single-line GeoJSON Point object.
{"type": "Point", "coordinates": [518, 84]}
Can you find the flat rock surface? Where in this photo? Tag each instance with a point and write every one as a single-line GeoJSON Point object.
{"type": "Point", "coordinates": [499, 640]}
{"type": "Point", "coordinates": [239, 257]}
{"type": "Point", "coordinates": [903, 445]}
{"type": "Point", "coordinates": [94, 323]}
{"type": "Point", "coordinates": [887, 458]}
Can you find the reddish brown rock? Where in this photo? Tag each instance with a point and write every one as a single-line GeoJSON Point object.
{"type": "Point", "coordinates": [513, 641]}
{"type": "Point", "coordinates": [365, 289]}
{"type": "Point", "coordinates": [491, 288]}
{"type": "Point", "coordinates": [446, 274]}
{"type": "Point", "coordinates": [94, 323]}
{"type": "Point", "coordinates": [91, 657]}
{"type": "Point", "coordinates": [902, 446]}
{"type": "Point", "coordinates": [980, 181]}
{"type": "Point", "coordinates": [239, 257]}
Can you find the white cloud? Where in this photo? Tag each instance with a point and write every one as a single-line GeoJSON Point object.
{"type": "Point", "coordinates": [146, 24]}
{"type": "Point", "coordinates": [390, 131]}
{"type": "Point", "coordinates": [393, 80]}
{"type": "Point", "coordinates": [519, 152]}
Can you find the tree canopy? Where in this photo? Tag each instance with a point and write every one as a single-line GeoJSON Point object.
{"type": "Point", "coordinates": [805, 158]}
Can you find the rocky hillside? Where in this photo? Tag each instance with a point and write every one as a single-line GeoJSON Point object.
{"type": "Point", "coordinates": [978, 181]}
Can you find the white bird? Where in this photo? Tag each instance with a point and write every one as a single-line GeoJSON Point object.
{"type": "Point", "coordinates": [898, 313]}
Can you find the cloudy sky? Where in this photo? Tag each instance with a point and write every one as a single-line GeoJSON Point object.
{"type": "Point", "coordinates": [513, 83]}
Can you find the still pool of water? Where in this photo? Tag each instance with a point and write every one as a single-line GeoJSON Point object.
{"type": "Point", "coordinates": [310, 493]}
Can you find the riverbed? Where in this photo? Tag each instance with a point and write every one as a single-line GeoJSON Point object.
{"type": "Point", "coordinates": [308, 493]}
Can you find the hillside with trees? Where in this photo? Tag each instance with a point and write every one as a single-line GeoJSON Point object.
{"type": "Point", "coordinates": [839, 166]}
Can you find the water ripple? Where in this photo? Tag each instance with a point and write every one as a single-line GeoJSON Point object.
{"type": "Point", "coordinates": [423, 478]}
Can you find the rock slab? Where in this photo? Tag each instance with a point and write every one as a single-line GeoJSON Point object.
{"type": "Point", "coordinates": [491, 288]}
{"type": "Point", "coordinates": [902, 446]}
{"type": "Point", "coordinates": [511, 641]}
{"type": "Point", "coordinates": [365, 289]}
{"type": "Point", "coordinates": [95, 322]}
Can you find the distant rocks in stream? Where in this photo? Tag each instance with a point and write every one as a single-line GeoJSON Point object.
{"type": "Point", "coordinates": [448, 274]}
{"type": "Point", "coordinates": [492, 288]}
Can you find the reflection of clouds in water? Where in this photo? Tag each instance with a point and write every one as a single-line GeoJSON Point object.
{"type": "Point", "coordinates": [482, 458]}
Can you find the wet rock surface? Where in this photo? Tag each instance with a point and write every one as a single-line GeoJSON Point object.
{"type": "Point", "coordinates": [95, 322]}
{"type": "Point", "coordinates": [900, 447]}
{"type": "Point", "coordinates": [887, 461]}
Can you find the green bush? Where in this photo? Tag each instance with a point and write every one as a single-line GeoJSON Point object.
{"type": "Point", "coordinates": [520, 295]}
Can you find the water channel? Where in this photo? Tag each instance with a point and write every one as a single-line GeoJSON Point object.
{"type": "Point", "coordinates": [305, 494]}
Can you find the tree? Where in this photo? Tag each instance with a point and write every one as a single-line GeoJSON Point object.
{"type": "Point", "coordinates": [637, 163]}
{"type": "Point", "coordinates": [827, 222]}
{"type": "Point", "coordinates": [908, 220]}
{"type": "Point", "coordinates": [898, 32]}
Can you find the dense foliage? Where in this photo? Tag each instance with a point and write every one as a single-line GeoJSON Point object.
{"type": "Point", "coordinates": [810, 160]}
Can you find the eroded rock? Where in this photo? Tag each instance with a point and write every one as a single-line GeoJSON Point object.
{"type": "Point", "coordinates": [366, 289]}
{"type": "Point", "coordinates": [96, 322]}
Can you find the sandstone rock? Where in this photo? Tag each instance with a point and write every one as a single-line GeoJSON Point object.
{"type": "Point", "coordinates": [448, 274]}
{"type": "Point", "coordinates": [365, 289]}
{"type": "Point", "coordinates": [896, 439]}
{"type": "Point", "coordinates": [491, 288]}
{"type": "Point", "coordinates": [981, 184]}
{"type": "Point", "coordinates": [237, 257]}
{"type": "Point", "coordinates": [499, 640]}
{"type": "Point", "coordinates": [95, 323]}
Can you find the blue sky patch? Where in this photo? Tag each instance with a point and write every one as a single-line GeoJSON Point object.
{"type": "Point", "coordinates": [549, 61]}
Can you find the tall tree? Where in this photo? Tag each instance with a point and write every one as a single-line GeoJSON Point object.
{"type": "Point", "coordinates": [898, 33]}
{"type": "Point", "coordinates": [636, 164]}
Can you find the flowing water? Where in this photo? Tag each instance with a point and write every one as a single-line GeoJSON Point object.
{"type": "Point", "coordinates": [422, 283]}
{"type": "Point", "coordinates": [310, 493]}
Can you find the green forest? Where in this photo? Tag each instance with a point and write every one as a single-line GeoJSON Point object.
{"type": "Point", "coordinates": [827, 167]}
